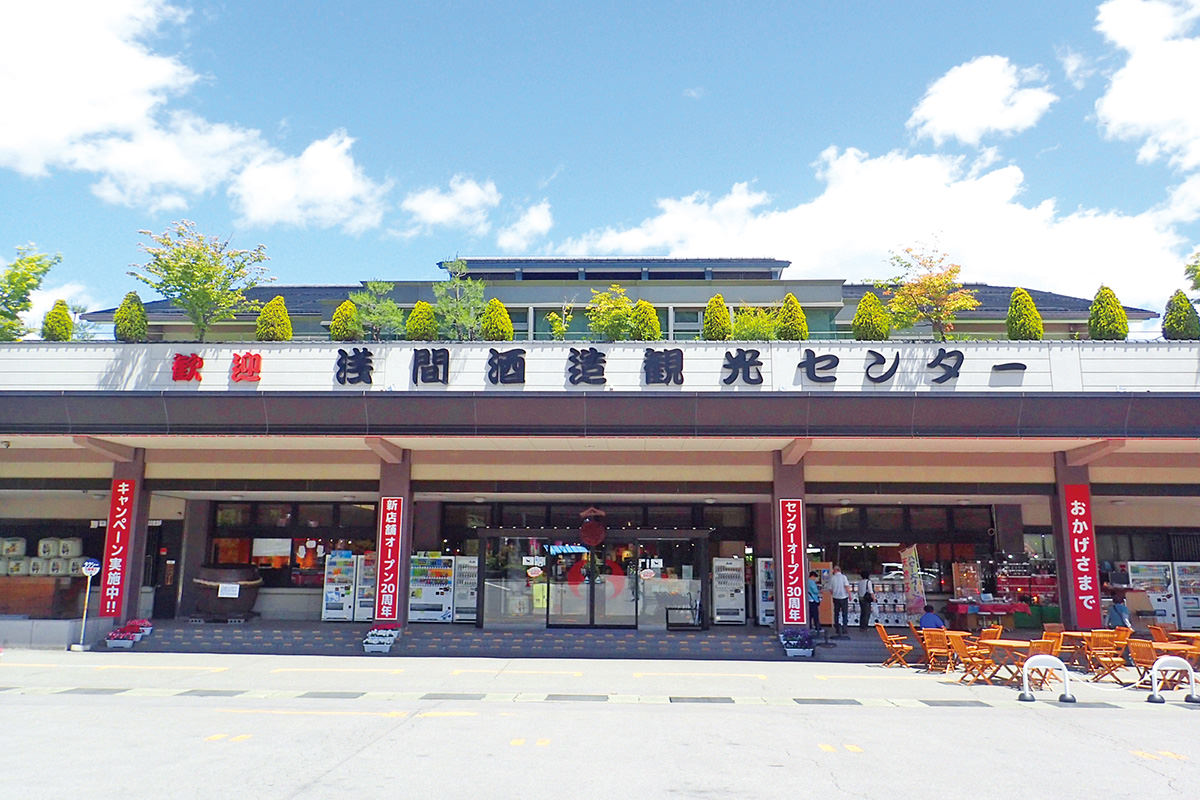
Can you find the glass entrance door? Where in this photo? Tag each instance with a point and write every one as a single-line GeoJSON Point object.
{"type": "Point", "coordinates": [593, 586]}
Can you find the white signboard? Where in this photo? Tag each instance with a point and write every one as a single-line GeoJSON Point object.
{"type": "Point", "coordinates": [229, 589]}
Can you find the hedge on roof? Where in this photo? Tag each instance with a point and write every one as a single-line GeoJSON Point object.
{"type": "Point", "coordinates": [1107, 320]}
{"type": "Point", "coordinates": [57, 325]}
{"type": "Point", "coordinates": [1024, 323]}
{"type": "Point", "coordinates": [791, 325]}
{"type": "Point", "coordinates": [718, 327]}
{"type": "Point", "coordinates": [872, 322]}
{"type": "Point", "coordinates": [274, 324]}
{"type": "Point", "coordinates": [644, 324]}
{"type": "Point", "coordinates": [422, 323]}
{"type": "Point", "coordinates": [1181, 320]}
{"type": "Point", "coordinates": [495, 325]}
{"type": "Point", "coordinates": [129, 321]}
{"type": "Point", "coordinates": [345, 326]}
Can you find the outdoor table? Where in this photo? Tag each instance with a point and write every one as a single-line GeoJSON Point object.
{"type": "Point", "coordinates": [1193, 638]}
{"type": "Point", "coordinates": [1190, 652]}
{"type": "Point", "coordinates": [1002, 651]}
{"type": "Point", "coordinates": [1080, 656]}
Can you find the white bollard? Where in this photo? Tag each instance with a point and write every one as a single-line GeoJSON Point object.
{"type": "Point", "coordinates": [1172, 664]}
{"type": "Point", "coordinates": [1042, 661]}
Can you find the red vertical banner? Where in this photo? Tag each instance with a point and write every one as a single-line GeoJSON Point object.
{"type": "Point", "coordinates": [115, 565]}
{"type": "Point", "coordinates": [1081, 555]}
{"type": "Point", "coordinates": [790, 571]}
{"type": "Point", "coordinates": [387, 601]}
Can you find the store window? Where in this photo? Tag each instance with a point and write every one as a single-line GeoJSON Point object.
{"type": "Point", "coordinates": [839, 518]}
{"type": "Point", "coordinates": [687, 324]}
{"type": "Point", "coordinates": [885, 518]}
{"type": "Point", "coordinates": [316, 515]}
{"type": "Point", "coordinates": [274, 515]}
{"type": "Point", "coordinates": [517, 515]}
{"type": "Point", "coordinates": [233, 515]}
{"type": "Point", "coordinates": [727, 517]}
{"type": "Point", "coordinates": [1151, 547]}
{"type": "Point", "coordinates": [927, 519]}
{"type": "Point", "coordinates": [356, 515]}
{"type": "Point", "coordinates": [973, 519]}
{"type": "Point", "coordinates": [669, 517]}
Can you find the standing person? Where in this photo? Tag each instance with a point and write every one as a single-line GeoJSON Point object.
{"type": "Point", "coordinates": [814, 601]}
{"type": "Point", "coordinates": [839, 588]}
{"type": "Point", "coordinates": [865, 598]}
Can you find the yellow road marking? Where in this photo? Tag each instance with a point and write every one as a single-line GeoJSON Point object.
{"type": "Point", "coordinates": [543, 742]}
{"type": "Point", "coordinates": [517, 742]}
{"type": "Point", "coordinates": [517, 672]}
{"type": "Point", "coordinates": [700, 675]}
{"type": "Point", "coordinates": [1169, 754]}
{"type": "Point", "coordinates": [241, 737]}
{"type": "Point", "coordinates": [828, 748]}
{"type": "Point", "coordinates": [448, 714]}
{"type": "Point", "coordinates": [215, 737]}
{"type": "Point", "coordinates": [291, 712]}
{"type": "Point", "coordinates": [853, 748]}
{"type": "Point", "coordinates": [336, 669]}
{"type": "Point", "coordinates": [1145, 755]}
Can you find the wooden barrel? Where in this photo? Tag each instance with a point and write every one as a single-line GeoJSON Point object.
{"type": "Point", "coordinates": [212, 577]}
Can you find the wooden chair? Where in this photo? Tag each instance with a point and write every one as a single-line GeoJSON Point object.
{"type": "Point", "coordinates": [1143, 656]}
{"type": "Point", "coordinates": [1038, 677]}
{"type": "Point", "coordinates": [1052, 627]}
{"type": "Point", "coordinates": [937, 648]}
{"type": "Point", "coordinates": [991, 633]}
{"type": "Point", "coordinates": [976, 663]}
{"type": "Point", "coordinates": [897, 648]}
{"type": "Point", "coordinates": [1158, 633]}
{"type": "Point", "coordinates": [920, 641]}
{"type": "Point", "coordinates": [1056, 640]}
{"type": "Point", "coordinates": [1121, 640]}
{"type": "Point", "coordinates": [1103, 657]}
{"type": "Point", "coordinates": [1169, 627]}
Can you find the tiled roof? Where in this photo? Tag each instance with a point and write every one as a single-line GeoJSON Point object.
{"type": "Point", "coordinates": [994, 301]}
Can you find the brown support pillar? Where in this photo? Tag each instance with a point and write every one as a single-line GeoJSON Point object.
{"type": "Point", "coordinates": [395, 480]}
{"type": "Point", "coordinates": [788, 483]}
{"type": "Point", "coordinates": [764, 530]}
{"type": "Point", "coordinates": [1059, 521]}
{"type": "Point", "coordinates": [196, 517]}
{"type": "Point", "coordinates": [1010, 529]}
{"type": "Point", "coordinates": [135, 470]}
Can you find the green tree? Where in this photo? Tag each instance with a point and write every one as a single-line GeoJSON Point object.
{"type": "Point", "coordinates": [1181, 320]}
{"type": "Point", "coordinates": [17, 281]}
{"type": "Point", "coordinates": [202, 275]}
{"type": "Point", "coordinates": [496, 325]}
{"type": "Point", "coordinates": [644, 324]}
{"type": "Point", "coordinates": [1024, 323]}
{"type": "Point", "coordinates": [718, 327]}
{"type": "Point", "coordinates": [560, 321]}
{"type": "Point", "coordinates": [1106, 319]}
{"type": "Point", "coordinates": [459, 303]}
{"type": "Point", "coordinates": [790, 323]}
{"type": "Point", "coordinates": [344, 325]}
{"type": "Point", "coordinates": [927, 289]}
{"type": "Point", "coordinates": [872, 322]}
{"type": "Point", "coordinates": [129, 321]}
{"type": "Point", "coordinates": [274, 324]}
{"type": "Point", "coordinates": [422, 323]}
{"type": "Point", "coordinates": [84, 330]}
{"type": "Point", "coordinates": [57, 325]}
{"type": "Point", "coordinates": [1192, 270]}
{"type": "Point", "coordinates": [610, 314]}
{"type": "Point", "coordinates": [378, 313]}
{"type": "Point", "coordinates": [751, 324]}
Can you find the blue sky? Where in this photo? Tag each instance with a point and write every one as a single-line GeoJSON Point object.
{"type": "Point", "coordinates": [1051, 145]}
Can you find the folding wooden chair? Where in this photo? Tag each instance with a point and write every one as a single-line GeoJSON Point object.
{"type": "Point", "coordinates": [937, 647]}
{"type": "Point", "coordinates": [920, 639]}
{"type": "Point", "coordinates": [1158, 633]}
{"type": "Point", "coordinates": [1143, 656]}
{"type": "Point", "coordinates": [991, 633]}
{"type": "Point", "coordinates": [1103, 657]}
{"type": "Point", "coordinates": [976, 663]}
{"type": "Point", "coordinates": [897, 648]}
{"type": "Point", "coordinates": [1038, 677]}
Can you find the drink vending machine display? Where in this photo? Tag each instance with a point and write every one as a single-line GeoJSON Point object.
{"type": "Point", "coordinates": [338, 592]}
{"type": "Point", "coordinates": [431, 588]}
{"type": "Point", "coordinates": [1187, 592]}
{"type": "Point", "coordinates": [1154, 578]}
{"type": "Point", "coordinates": [364, 588]}
{"type": "Point", "coordinates": [729, 591]}
{"type": "Point", "coordinates": [466, 588]}
{"type": "Point", "coordinates": [764, 572]}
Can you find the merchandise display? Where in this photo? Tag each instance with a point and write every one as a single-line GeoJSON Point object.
{"type": "Point", "coordinates": [431, 588]}
{"type": "Point", "coordinates": [337, 597]}
{"type": "Point", "coordinates": [890, 607]}
{"type": "Point", "coordinates": [764, 593]}
{"type": "Point", "coordinates": [1154, 578]}
{"type": "Point", "coordinates": [364, 587]}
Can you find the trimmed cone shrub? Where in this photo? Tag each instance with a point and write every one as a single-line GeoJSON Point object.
{"type": "Point", "coordinates": [1024, 322]}
{"type": "Point", "coordinates": [1181, 320]}
{"type": "Point", "coordinates": [57, 325]}
{"type": "Point", "coordinates": [1107, 320]}
{"type": "Point", "coordinates": [422, 323]}
{"type": "Point", "coordinates": [495, 325]}
{"type": "Point", "coordinates": [345, 326]}
{"type": "Point", "coordinates": [791, 324]}
{"type": "Point", "coordinates": [645, 326]}
{"type": "Point", "coordinates": [274, 324]}
{"type": "Point", "coordinates": [872, 322]}
{"type": "Point", "coordinates": [717, 325]}
{"type": "Point", "coordinates": [129, 321]}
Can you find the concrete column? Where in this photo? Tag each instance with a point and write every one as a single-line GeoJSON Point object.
{"type": "Point", "coordinates": [1010, 529]}
{"type": "Point", "coordinates": [197, 515]}
{"type": "Point", "coordinates": [764, 530]}
{"type": "Point", "coordinates": [135, 470]}
{"type": "Point", "coordinates": [395, 480]}
{"type": "Point", "coordinates": [788, 483]}
{"type": "Point", "coordinates": [1059, 521]}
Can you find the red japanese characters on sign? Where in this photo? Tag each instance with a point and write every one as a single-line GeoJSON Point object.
{"type": "Point", "coordinates": [115, 564]}
{"type": "Point", "coordinates": [387, 600]}
{"type": "Point", "coordinates": [246, 367]}
{"type": "Point", "coordinates": [1084, 572]}
{"type": "Point", "coordinates": [186, 368]}
{"type": "Point", "coordinates": [790, 572]}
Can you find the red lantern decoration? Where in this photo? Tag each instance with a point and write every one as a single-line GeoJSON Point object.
{"type": "Point", "coordinates": [592, 533]}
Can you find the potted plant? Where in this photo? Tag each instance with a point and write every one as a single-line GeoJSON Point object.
{"type": "Point", "coordinates": [797, 641]}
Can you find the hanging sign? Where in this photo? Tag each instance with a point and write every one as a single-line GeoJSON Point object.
{"type": "Point", "coordinates": [387, 589]}
{"type": "Point", "coordinates": [791, 568]}
{"type": "Point", "coordinates": [1084, 572]}
{"type": "Point", "coordinates": [116, 548]}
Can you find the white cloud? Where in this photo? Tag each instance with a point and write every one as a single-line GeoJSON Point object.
{"type": "Point", "coordinates": [871, 205]}
{"type": "Point", "coordinates": [1076, 67]}
{"type": "Point", "coordinates": [534, 223]}
{"type": "Point", "coordinates": [466, 205]}
{"type": "Point", "coordinates": [44, 299]}
{"type": "Point", "coordinates": [84, 91]}
{"type": "Point", "coordinates": [694, 93]}
{"type": "Point", "coordinates": [985, 95]}
{"type": "Point", "coordinates": [1154, 97]}
{"type": "Point", "coordinates": [322, 186]}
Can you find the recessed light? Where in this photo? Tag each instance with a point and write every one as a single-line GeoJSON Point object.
{"type": "Point", "coordinates": [1118, 502]}
{"type": "Point", "coordinates": [235, 497]}
{"type": "Point", "coordinates": [845, 501]}
{"type": "Point", "coordinates": [964, 502]}
{"type": "Point", "coordinates": [710, 500]}
{"type": "Point", "coordinates": [480, 499]}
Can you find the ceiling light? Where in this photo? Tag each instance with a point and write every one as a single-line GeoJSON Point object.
{"type": "Point", "coordinates": [1118, 502]}
{"type": "Point", "coordinates": [845, 501]}
{"type": "Point", "coordinates": [348, 497]}
{"type": "Point", "coordinates": [964, 502]}
{"type": "Point", "coordinates": [235, 497]}
{"type": "Point", "coordinates": [710, 500]}
{"type": "Point", "coordinates": [480, 499]}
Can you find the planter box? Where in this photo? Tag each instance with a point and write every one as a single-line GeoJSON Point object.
{"type": "Point", "coordinates": [799, 652]}
{"type": "Point", "coordinates": [147, 630]}
{"type": "Point", "coordinates": [115, 643]}
{"type": "Point", "coordinates": [377, 648]}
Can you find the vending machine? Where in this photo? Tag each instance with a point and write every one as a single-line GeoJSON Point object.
{"type": "Point", "coordinates": [1187, 593]}
{"type": "Point", "coordinates": [466, 587]}
{"type": "Point", "coordinates": [729, 591]}
{"type": "Point", "coordinates": [364, 588]}
{"type": "Point", "coordinates": [764, 592]}
{"type": "Point", "coordinates": [337, 597]}
{"type": "Point", "coordinates": [1154, 578]}
{"type": "Point", "coordinates": [431, 588]}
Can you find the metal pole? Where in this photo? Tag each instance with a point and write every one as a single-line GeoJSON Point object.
{"type": "Point", "coordinates": [87, 593]}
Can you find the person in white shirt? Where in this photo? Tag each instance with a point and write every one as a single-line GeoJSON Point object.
{"type": "Point", "coordinates": [839, 590]}
{"type": "Point", "coordinates": [866, 596]}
